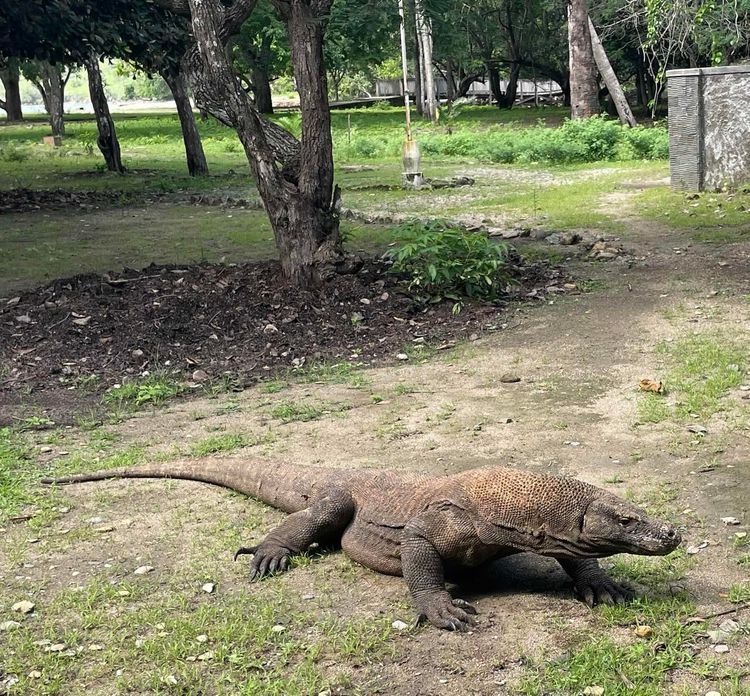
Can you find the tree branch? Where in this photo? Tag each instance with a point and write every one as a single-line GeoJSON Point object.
{"type": "Point", "coordinates": [235, 16]}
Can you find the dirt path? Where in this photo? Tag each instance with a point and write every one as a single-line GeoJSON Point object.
{"type": "Point", "coordinates": [576, 410]}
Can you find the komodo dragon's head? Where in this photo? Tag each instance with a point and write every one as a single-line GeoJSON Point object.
{"type": "Point", "coordinates": [616, 525]}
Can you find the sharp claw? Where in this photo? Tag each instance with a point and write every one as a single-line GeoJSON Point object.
{"type": "Point", "coordinates": [420, 619]}
{"type": "Point", "coordinates": [245, 551]}
{"type": "Point", "coordinates": [273, 565]}
{"type": "Point", "coordinates": [462, 604]}
{"type": "Point", "coordinates": [285, 563]}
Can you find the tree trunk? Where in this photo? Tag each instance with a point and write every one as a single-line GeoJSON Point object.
{"type": "Point", "coordinates": [196, 158]}
{"type": "Point", "coordinates": [262, 90]}
{"type": "Point", "coordinates": [418, 84]}
{"type": "Point", "coordinates": [424, 39]}
{"type": "Point", "coordinates": [583, 87]}
{"type": "Point", "coordinates": [450, 81]}
{"type": "Point", "coordinates": [10, 77]}
{"type": "Point", "coordinates": [107, 140]}
{"type": "Point", "coordinates": [303, 208]}
{"type": "Point", "coordinates": [509, 98]}
{"type": "Point", "coordinates": [51, 85]}
{"type": "Point", "coordinates": [610, 79]}
{"type": "Point", "coordinates": [493, 73]}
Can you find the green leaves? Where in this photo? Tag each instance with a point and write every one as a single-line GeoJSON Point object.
{"type": "Point", "coordinates": [439, 261]}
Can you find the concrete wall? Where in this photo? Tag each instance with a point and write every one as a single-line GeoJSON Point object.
{"type": "Point", "coordinates": [709, 127]}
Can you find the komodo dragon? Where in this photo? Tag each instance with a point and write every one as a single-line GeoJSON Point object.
{"type": "Point", "coordinates": [428, 527]}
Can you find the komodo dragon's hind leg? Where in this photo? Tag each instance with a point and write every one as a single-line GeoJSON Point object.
{"type": "Point", "coordinates": [326, 518]}
{"type": "Point", "coordinates": [592, 584]}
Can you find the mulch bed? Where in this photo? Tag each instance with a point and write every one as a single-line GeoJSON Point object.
{"type": "Point", "coordinates": [206, 321]}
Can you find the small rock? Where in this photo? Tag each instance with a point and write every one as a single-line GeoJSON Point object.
{"type": "Point", "coordinates": [35, 674]}
{"type": "Point", "coordinates": [55, 648]}
{"type": "Point", "coordinates": [729, 626]}
{"type": "Point", "coordinates": [82, 321]}
{"type": "Point", "coordinates": [270, 328]}
{"type": "Point", "coordinates": [200, 376]}
{"type": "Point", "coordinates": [171, 679]}
{"type": "Point", "coordinates": [594, 691]}
{"type": "Point", "coordinates": [644, 631]}
{"type": "Point", "coordinates": [400, 625]}
{"type": "Point", "coordinates": [142, 570]}
{"type": "Point", "coordinates": [206, 656]}
{"type": "Point", "coordinates": [46, 449]}
{"type": "Point", "coordinates": [96, 647]}
{"type": "Point", "coordinates": [474, 337]}
{"type": "Point", "coordinates": [692, 550]}
{"type": "Point", "coordinates": [123, 593]}
{"type": "Point", "coordinates": [740, 535]}
{"type": "Point", "coordinates": [510, 378]}
{"type": "Point", "coordinates": [278, 628]}
{"type": "Point", "coordinates": [95, 520]}
{"type": "Point", "coordinates": [385, 297]}
{"type": "Point", "coordinates": [721, 648]}
{"type": "Point", "coordinates": [209, 587]}
{"type": "Point", "coordinates": [745, 388]}
{"type": "Point", "coordinates": [402, 356]}
{"type": "Point", "coordinates": [695, 428]}
{"type": "Point", "coordinates": [308, 597]}
{"type": "Point", "coordinates": [23, 607]}
{"type": "Point", "coordinates": [13, 301]}
{"type": "Point", "coordinates": [564, 238]}
{"type": "Point", "coordinates": [137, 353]}
{"type": "Point", "coordinates": [104, 529]}
{"type": "Point", "coordinates": [24, 319]}
{"type": "Point", "coordinates": [9, 625]}
{"type": "Point", "coordinates": [364, 301]}
{"type": "Point", "coordinates": [202, 638]}
{"type": "Point", "coordinates": [712, 693]}
{"type": "Point", "coordinates": [325, 692]}
{"type": "Point", "coordinates": [730, 521]}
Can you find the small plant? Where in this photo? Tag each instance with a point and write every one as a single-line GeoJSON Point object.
{"type": "Point", "coordinates": [739, 593]}
{"type": "Point", "coordinates": [442, 262]}
{"type": "Point", "coordinates": [153, 390]}
{"type": "Point", "coordinates": [289, 412]}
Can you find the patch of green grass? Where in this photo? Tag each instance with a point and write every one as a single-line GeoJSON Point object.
{"type": "Point", "coordinates": [652, 408]}
{"type": "Point", "coordinates": [718, 218]}
{"type": "Point", "coordinates": [135, 639]}
{"type": "Point", "coordinates": [227, 442]}
{"type": "Point", "coordinates": [657, 500]}
{"type": "Point", "coordinates": [15, 472]}
{"type": "Point", "coordinates": [153, 390]}
{"type": "Point", "coordinates": [630, 665]}
{"type": "Point", "coordinates": [547, 254]}
{"type": "Point", "coordinates": [704, 367]}
{"type": "Point", "coordinates": [272, 387]}
{"type": "Point", "coordinates": [744, 561]}
{"type": "Point", "coordinates": [333, 373]}
{"type": "Point", "coordinates": [739, 593]}
{"type": "Point", "coordinates": [655, 572]}
{"type": "Point", "coordinates": [290, 411]}
{"type": "Point", "coordinates": [402, 389]}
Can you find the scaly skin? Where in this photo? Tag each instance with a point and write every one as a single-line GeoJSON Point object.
{"type": "Point", "coordinates": [424, 527]}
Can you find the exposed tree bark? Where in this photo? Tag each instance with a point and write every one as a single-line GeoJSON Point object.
{"type": "Point", "coordinates": [418, 84]}
{"type": "Point", "coordinates": [107, 140]}
{"type": "Point", "coordinates": [509, 98]}
{"type": "Point", "coordinates": [465, 83]}
{"type": "Point", "coordinates": [10, 77]}
{"type": "Point", "coordinates": [262, 90]}
{"type": "Point", "coordinates": [51, 80]}
{"type": "Point", "coordinates": [583, 86]}
{"type": "Point", "coordinates": [424, 41]}
{"type": "Point", "coordinates": [493, 74]}
{"type": "Point", "coordinates": [610, 79]}
{"type": "Point", "coordinates": [196, 158]}
{"type": "Point", "coordinates": [450, 81]}
{"type": "Point", "coordinates": [300, 198]}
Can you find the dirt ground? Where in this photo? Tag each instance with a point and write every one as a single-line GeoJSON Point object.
{"type": "Point", "coordinates": [574, 411]}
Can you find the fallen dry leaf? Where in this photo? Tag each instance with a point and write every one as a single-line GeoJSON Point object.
{"type": "Point", "coordinates": [649, 385]}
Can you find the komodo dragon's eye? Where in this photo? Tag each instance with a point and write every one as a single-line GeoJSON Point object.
{"type": "Point", "coordinates": [626, 521]}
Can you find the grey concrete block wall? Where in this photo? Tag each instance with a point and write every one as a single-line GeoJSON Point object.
{"type": "Point", "coordinates": [709, 127]}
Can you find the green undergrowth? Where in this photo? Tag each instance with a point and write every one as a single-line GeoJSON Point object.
{"type": "Point", "coordinates": [134, 638]}
{"type": "Point", "coordinates": [613, 658]}
{"type": "Point", "coordinates": [228, 442]}
{"type": "Point", "coordinates": [700, 370]}
{"type": "Point", "coordinates": [153, 390]}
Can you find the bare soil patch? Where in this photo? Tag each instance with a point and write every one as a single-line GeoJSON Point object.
{"type": "Point", "coordinates": [239, 320]}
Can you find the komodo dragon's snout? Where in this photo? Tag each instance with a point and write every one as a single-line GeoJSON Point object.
{"type": "Point", "coordinates": [616, 523]}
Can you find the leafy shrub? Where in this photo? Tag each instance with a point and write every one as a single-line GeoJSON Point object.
{"type": "Point", "coordinates": [152, 390]}
{"type": "Point", "coordinates": [11, 153]}
{"type": "Point", "coordinates": [440, 261]}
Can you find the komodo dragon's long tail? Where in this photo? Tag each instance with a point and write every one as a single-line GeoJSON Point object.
{"type": "Point", "coordinates": [288, 488]}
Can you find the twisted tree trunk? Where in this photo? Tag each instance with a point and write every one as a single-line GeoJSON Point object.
{"type": "Point", "coordinates": [50, 82]}
{"type": "Point", "coordinates": [196, 158]}
{"type": "Point", "coordinates": [299, 197]}
{"type": "Point", "coordinates": [107, 140]}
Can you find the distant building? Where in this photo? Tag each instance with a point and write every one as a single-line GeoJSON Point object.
{"type": "Point", "coordinates": [527, 91]}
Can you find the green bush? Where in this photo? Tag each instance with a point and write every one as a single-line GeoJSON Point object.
{"type": "Point", "coordinates": [11, 153]}
{"type": "Point", "coordinates": [440, 261]}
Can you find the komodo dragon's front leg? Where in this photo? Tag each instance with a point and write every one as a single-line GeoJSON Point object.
{"type": "Point", "coordinates": [326, 518]}
{"type": "Point", "coordinates": [427, 541]}
{"type": "Point", "coordinates": [592, 584]}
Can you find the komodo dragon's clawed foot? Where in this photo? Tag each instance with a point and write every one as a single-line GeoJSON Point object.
{"type": "Point", "coordinates": [441, 610]}
{"type": "Point", "coordinates": [267, 560]}
{"type": "Point", "coordinates": [602, 590]}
